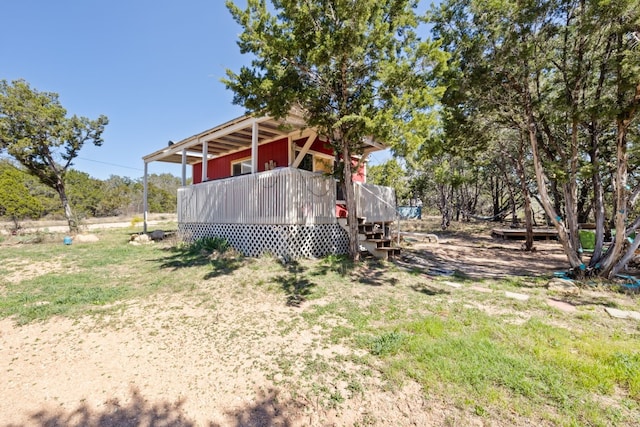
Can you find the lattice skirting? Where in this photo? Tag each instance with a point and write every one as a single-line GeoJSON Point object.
{"type": "Point", "coordinates": [283, 241]}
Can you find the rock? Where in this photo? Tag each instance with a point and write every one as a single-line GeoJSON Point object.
{"type": "Point", "coordinates": [514, 295]}
{"type": "Point", "coordinates": [140, 239]}
{"type": "Point", "coordinates": [157, 235]}
{"type": "Point", "coordinates": [622, 314]}
{"type": "Point", "coordinates": [561, 305]}
{"type": "Point", "coordinates": [453, 284]}
{"type": "Point", "coordinates": [86, 238]}
{"type": "Point", "coordinates": [563, 286]}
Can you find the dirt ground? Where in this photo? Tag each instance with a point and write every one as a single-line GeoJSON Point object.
{"type": "Point", "coordinates": [168, 361]}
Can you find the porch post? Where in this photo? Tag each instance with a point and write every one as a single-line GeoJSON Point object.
{"type": "Point", "coordinates": [144, 198]}
{"type": "Point", "coordinates": [254, 147]}
{"type": "Point", "coordinates": [184, 167]}
{"type": "Point", "coordinates": [205, 158]}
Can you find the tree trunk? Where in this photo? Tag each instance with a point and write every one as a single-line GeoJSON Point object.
{"type": "Point", "coordinates": [350, 199]}
{"type": "Point", "coordinates": [598, 197]}
{"type": "Point", "coordinates": [563, 237]}
{"type": "Point", "coordinates": [528, 213]}
{"type": "Point", "coordinates": [621, 195]}
{"type": "Point", "coordinates": [68, 212]}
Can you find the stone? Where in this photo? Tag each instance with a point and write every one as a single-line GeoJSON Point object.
{"type": "Point", "coordinates": [563, 286]}
{"type": "Point", "coordinates": [622, 314]}
{"type": "Point", "coordinates": [452, 284]}
{"type": "Point", "coordinates": [561, 305]}
{"type": "Point", "coordinates": [157, 235]}
{"type": "Point", "coordinates": [514, 295]}
{"type": "Point", "coordinates": [140, 239]}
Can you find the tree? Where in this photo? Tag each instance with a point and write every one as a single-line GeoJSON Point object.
{"type": "Point", "coordinates": [391, 174]}
{"type": "Point", "coordinates": [16, 201]}
{"type": "Point", "coordinates": [35, 131]}
{"type": "Point", "coordinates": [565, 74]}
{"type": "Point", "coordinates": [84, 192]}
{"type": "Point", "coordinates": [355, 68]}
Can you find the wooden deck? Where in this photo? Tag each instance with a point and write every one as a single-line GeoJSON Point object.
{"type": "Point", "coordinates": [520, 233]}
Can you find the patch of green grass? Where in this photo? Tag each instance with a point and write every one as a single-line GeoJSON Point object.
{"type": "Point", "coordinates": [513, 368]}
{"type": "Point", "coordinates": [387, 343]}
{"type": "Point", "coordinates": [52, 295]}
{"type": "Point", "coordinates": [86, 276]}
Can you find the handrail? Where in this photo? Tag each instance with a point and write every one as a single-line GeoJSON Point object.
{"type": "Point", "coordinates": [377, 197]}
{"type": "Point", "coordinates": [395, 209]}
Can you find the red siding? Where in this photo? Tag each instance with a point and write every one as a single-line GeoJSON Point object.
{"type": "Point", "coordinates": [220, 167]}
{"type": "Point", "coordinates": [317, 146]}
{"type": "Point", "coordinates": [277, 151]}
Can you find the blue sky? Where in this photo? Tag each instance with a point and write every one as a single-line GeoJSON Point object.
{"type": "Point", "coordinates": [152, 66]}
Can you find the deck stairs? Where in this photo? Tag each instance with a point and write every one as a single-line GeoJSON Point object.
{"type": "Point", "coordinates": [374, 237]}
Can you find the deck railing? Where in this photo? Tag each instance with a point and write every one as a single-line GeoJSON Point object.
{"type": "Point", "coordinates": [286, 196]}
{"type": "Point", "coordinates": [281, 196]}
{"type": "Point", "coordinates": [375, 203]}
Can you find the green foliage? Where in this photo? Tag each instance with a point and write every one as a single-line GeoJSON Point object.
{"type": "Point", "coordinates": [92, 197]}
{"type": "Point", "coordinates": [208, 245]}
{"type": "Point", "coordinates": [84, 193]}
{"type": "Point", "coordinates": [390, 174]}
{"type": "Point", "coordinates": [355, 68]}
{"type": "Point", "coordinates": [388, 343]}
{"type": "Point", "coordinates": [16, 201]}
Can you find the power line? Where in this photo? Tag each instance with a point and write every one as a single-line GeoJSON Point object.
{"type": "Point", "coordinates": [109, 164]}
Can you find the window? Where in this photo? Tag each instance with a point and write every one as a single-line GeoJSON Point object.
{"type": "Point", "coordinates": [241, 167]}
{"type": "Point", "coordinates": [307, 162]}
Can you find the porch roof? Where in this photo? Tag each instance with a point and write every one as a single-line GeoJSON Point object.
{"type": "Point", "coordinates": [236, 135]}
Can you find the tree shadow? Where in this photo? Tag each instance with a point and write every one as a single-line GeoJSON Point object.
{"type": "Point", "coordinates": [429, 290]}
{"type": "Point", "coordinates": [221, 262]}
{"type": "Point", "coordinates": [183, 257]}
{"type": "Point", "coordinates": [341, 265]}
{"type": "Point", "coordinates": [267, 410]}
{"type": "Point", "coordinates": [294, 284]}
{"type": "Point", "coordinates": [370, 271]}
{"type": "Point", "coordinates": [373, 273]}
{"type": "Point", "coordinates": [137, 412]}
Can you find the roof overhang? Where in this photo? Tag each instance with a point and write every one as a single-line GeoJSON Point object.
{"type": "Point", "coordinates": [236, 135]}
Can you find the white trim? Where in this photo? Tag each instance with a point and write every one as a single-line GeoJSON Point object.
{"type": "Point", "coordinates": [254, 147]}
{"type": "Point", "coordinates": [205, 163]}
{"type": "Point", "coordinates": [184, 167]}
{"type": "Point", "coordinates": [239, 161]}
{"type": "Point", "coordinates": [305, 149]}
{"type": "Point", "coordinates": [145, 196]}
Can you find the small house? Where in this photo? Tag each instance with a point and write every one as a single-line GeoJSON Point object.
{"type": "Point", "coordinates": [265, 185]}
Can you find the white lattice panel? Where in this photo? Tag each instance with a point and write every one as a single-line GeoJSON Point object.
{"type": "Point", "coordinates": [284, 241]}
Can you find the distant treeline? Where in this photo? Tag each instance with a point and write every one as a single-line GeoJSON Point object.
{"type": "Point", "coordinates": [22, 196]}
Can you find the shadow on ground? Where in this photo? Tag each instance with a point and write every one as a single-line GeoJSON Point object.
{"type": "Point", "coordinates": [294, 284]}
{"type": "Point", "coordinates": [370, 271]}
{"type": "Point", "coordinates": [222, 263]}
{"type": "Point", "coordinates": [265, 411]}
{"type": "Point", "coordinates": [138, 412]}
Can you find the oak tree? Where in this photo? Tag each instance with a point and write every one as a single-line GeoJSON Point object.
{"type": "Point", "coordinates": [36, 132]}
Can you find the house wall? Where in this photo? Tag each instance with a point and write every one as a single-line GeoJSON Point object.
{"type": "Point", "coordinates": [220, 167]}
{"type": "Point", "coordinates": [277, 151]}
